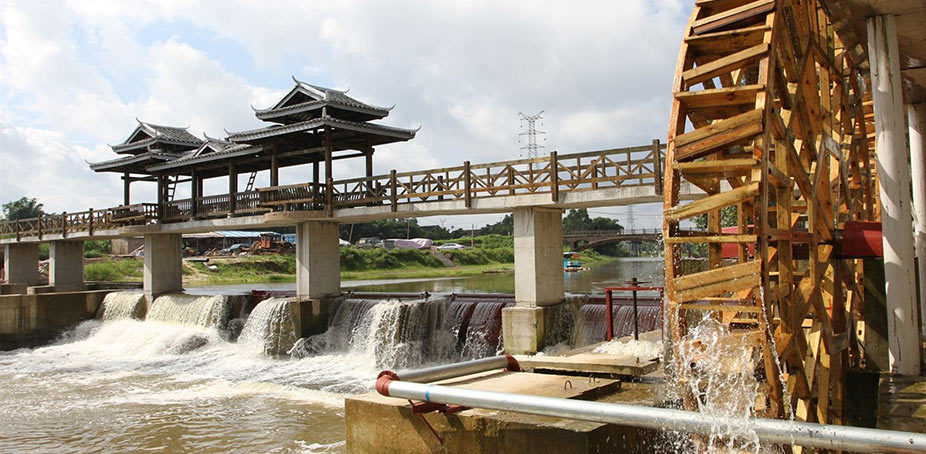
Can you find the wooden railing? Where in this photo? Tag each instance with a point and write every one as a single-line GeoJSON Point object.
{"type": "Point", "coordinates": [553, 175]}
{"type": "Point", "coordinates": [83, 221]}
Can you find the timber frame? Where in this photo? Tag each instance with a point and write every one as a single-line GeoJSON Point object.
{"type": "Point", "coordinates": [767, 100]}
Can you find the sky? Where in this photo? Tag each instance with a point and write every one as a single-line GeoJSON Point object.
{"type": "Point", "coordinates": [75, 75]}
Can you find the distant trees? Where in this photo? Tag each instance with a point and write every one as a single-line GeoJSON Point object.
{"type": "Point", "coordinates": [578, 220]}
{"type": "Point", "coordinates": [23, 208]}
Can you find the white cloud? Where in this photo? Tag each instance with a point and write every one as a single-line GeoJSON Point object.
{"type": "Point", "coordinates": [80, 71]}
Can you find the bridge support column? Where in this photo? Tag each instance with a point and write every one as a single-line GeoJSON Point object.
{"type": "Point", "coordinates": [163, 265]}
{"type": "Point", "coordinates": [538, 276]}
{"type": "Point", "coordinates": [21, 263]}
{"type": "Point", "coordinates": [318, 260]}
{"type": "Point", "coordinates": [66, 265]}
{"type": "Point", "coordinates": [903, 337]}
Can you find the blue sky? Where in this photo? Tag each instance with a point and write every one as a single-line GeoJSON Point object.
{"type": "Point", "coordinates": [75, 74]}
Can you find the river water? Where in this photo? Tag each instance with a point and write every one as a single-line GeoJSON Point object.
{"type": "Point", "coordinates": [144, 386]}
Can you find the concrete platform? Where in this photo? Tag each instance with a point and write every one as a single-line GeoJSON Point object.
{"type": "Point", "coordinates": [596, 363]}
{"type": "Point", "coordinates": [377, 424]}
{"type": "Point", "coordinates": [902, 403]}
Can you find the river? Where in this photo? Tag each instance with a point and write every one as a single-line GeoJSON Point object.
{"type": "Point", "coordinates": [131, 386]}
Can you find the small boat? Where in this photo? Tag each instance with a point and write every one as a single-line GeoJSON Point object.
{"type": "Point", "coordinates": [571, 262]}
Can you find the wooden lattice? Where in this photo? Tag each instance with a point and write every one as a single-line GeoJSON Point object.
{"type": "Point", "coordinates": [769, 117]}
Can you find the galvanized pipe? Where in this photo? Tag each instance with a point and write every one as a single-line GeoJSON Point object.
{"type": "Point", "coordinates": [768, 430]}
{"type": "Point", "coordinates": [437, 373]}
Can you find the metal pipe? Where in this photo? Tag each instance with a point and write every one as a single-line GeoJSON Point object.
{"type": "Point", "coordinates": [436, 373]}
{"type": "Point", "coordinates": [768, 430]}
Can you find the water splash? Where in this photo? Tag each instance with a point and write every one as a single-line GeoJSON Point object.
{"type": "Point", "coordinates": [197, 310]}
{"type": "Point", "coordinates": [722, 380]}
{"type": "Point", "coordinates": [121, 305]}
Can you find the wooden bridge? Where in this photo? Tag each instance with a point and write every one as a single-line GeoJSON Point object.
{"type": "Point", "coordinates": [597, 178]}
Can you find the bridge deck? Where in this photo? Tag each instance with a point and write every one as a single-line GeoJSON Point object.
{"type": "Point", "coordinates": [591, 179]}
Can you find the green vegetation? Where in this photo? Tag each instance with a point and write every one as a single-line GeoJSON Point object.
{"type": "Point", "coordinates": [380, 259]}
{"type": "Point", "coordinates": [114, 270]}
{"type": "Point", "coordinates": [23, 208]}
{"type": "Point", "coordinates": [97, 248]}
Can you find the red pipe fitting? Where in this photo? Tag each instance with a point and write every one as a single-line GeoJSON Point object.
{"type": "Point", "coordinates": [383, 380]}
{"type": "Point", "coordinates": [513, 365]}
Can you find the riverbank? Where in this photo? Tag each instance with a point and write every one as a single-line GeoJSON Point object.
{"type": "Point", "coordinates": [356, 264]}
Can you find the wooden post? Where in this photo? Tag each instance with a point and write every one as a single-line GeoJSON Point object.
{"type": "Point", "coordinates": [916, 118]}
{"type": "Point", "coordinates": [232, 189]}
{"type": "Point", "coordinates": [510, 181]}
{"type": "Point", "coordinates": [162, 196]}
{"type": "Point", "coordinates": [657, 167]}
{"type": "Point", "coordinates": [274, 167]}
{"type": "Point", "coordinates": [393, 196]}
{"type": "Point", "coordinates": [90, 223]}
{"type": "Point", "coordinates": [554, 177]}
{"type": "Point", "coordinates": [64, 224]}
{"type": "Point", "coordinates": [126, 190]}
{"type": "Point", "coordinates": [369, 169]}
{"type": "Point", "coordinates": [329, 178]}
{"type": "Point", "coordinates": [467, 185]}
{"type": "Point", "coordinates": [39, 222]}
{"type": "Point", "coordinates": [315, 185]}
{"type": "Point", "coordinates": [194, 194]}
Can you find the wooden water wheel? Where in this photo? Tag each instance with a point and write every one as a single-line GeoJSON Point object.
{"type": "Point", "coordinates": [769, 120]}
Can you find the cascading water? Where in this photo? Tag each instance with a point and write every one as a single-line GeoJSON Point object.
{"type": "Point", "coordinates": [483, 332]}
{"type": "Point", "coordinates": [120, 305]}
{"type": "Point", "coordinates": [198, 310]}
{"type": "Point", "coordinates": [271, 327]}
{"type": "Point", "coordinates": [593, 321]}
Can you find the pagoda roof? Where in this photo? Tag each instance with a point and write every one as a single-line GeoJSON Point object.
{"type": "Point", "coordinates": [134, 163]}
{"type": "Point", "coordinates": [376, 133]}
{"type": "Point", "coordinates": [231, 151]}
{"type": "Point", "coordinates": [305, 101]}
{"type": "Point", "coordinates": [149, 135]}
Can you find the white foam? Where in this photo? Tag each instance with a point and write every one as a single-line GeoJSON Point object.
{"type": "Point", "coordinates": [638, 348]}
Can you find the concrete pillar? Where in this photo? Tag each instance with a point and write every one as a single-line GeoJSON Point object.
{"type": "Point", "coordinates": [538, 257]}
{"type": "Point", "coordinates": [538, 277]}
{"type": "Point", "coordinates": [163, 265]}
{"type": "Point", "coordinates": [21, 263]}
{"type": "Point", "coordinates": [916, 118]}
{"type": "Point", "coordinates": [66, 265]}
{"type": "Point", "coordinates": [894, 173]}
{"type": "Point", "coordinates": [318, 260]}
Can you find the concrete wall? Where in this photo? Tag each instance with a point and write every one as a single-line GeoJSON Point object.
{"type": "Point", "coordinates": [123, 246]}
{"type": "Point", "coordinates": [318, 260]}
{"type": "Point", "coordinates": [31, 320]}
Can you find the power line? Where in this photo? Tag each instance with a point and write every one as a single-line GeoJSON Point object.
{"type": "Point", "coordinates": [531, 133]}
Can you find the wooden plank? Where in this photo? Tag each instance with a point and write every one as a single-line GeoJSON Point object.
{"type": "Point", "coordinates": [724, 65]}
{"type": "Point", "coordinates": [714, 202]}
{"type": "Point", "coordinates": [728, 42]}
{"type": "Point", "coordinates": [714, 97]}
{"type": "Point", "coordinates": [732, 16]}
{"type": "Point", "coordinates": [724, 167]}
{"type": "Point", "coordinates": [716, 282]}
{"type": "Point", "coordinates": [718, 134]}
{"type": "Point", "coordinates": [721, 308]}
{"type": "Point", "coordinates": [713, 239]}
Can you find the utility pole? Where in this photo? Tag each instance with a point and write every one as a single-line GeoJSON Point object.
{"type": "Point", "coordinates": [531, 133]}
{"type": "Point", "coordinates": [472, 236]}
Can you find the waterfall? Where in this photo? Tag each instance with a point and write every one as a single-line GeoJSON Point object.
{"type": "Point", "coordinates": [120, 305]}
{"type": "Point", "coordinates": [198, 310]}
{"type": "Point", "coordinates": [271, 327]}
{"type": "Point", "coordinates": [484, 331]}
{"type": "Point", "coordinates": [593, 321]}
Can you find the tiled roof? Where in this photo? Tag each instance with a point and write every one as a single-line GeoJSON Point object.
{"type": "Point", "coordinates": [128, 160]}
{"type": "Point", "coordinates": [158, 134]}
{"type": "Point", "coordinates": [231, 151]}
{"type": "Point", "coordinates": [315, 123]}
